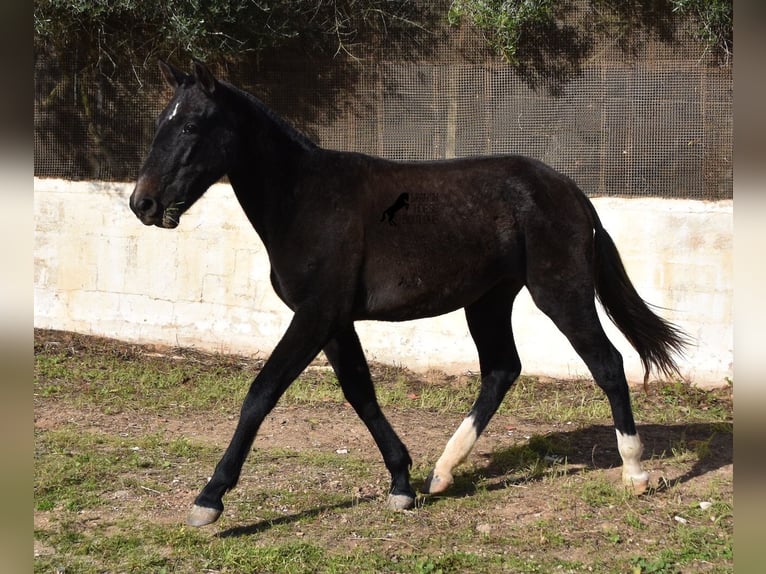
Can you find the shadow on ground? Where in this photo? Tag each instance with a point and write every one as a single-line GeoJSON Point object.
{"type": "Point", "coordinates": [586, 449]}
{"type": "Point", "coordinates": [595, 447]}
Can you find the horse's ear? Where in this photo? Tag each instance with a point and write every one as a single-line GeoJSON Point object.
{"type": "Point", "coordinates": [173, 77]}
{"type": "Point", "coordinates": [204, 77]}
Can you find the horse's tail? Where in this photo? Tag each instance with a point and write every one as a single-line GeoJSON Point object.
{"type": "Point", "coordinates": [656, 340]}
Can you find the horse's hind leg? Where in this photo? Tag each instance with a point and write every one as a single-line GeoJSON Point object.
{"type": "Point", "coordinates": [489, 321]}
{"type": "Point", "coordinates": [572, 308]}
{"type": "Point", "coordinates": [347, 359]}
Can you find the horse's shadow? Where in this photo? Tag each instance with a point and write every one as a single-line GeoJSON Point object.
{"type": "Point", "coordinates": [595, 447]}
{"type": "Point", "coordinates": [263, 525]}
{"type": "Point", "coordinates": [585, 449]}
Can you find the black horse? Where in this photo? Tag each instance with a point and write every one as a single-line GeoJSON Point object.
{"type": "Point", "coordinates": [495, 225]}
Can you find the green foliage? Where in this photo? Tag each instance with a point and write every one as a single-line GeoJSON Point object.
{"type": "Point", "coordinates": [104, 31]}
{"type": "Point", "coordinates": [107, 32]}
{"type": "Point", "coordinates": [514, 27]}
{"type": "Point", "coordinates": [503, 22]}
{"type": "Point", "coordinates": [714, 20]}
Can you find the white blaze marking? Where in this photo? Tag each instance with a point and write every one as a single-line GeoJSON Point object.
{"type": "Point", "coordinates": [458, 447]}
{"type": "Point", "coordinates": [175, 111]}
{"type": "Point", "coordinates": [630, 448]}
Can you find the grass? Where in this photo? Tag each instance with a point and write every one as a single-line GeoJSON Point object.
{"type": "Point", "coordinates": [114, 475]}
{"type": "Point", "coordinates": [81, 467]}
{"type": "Point", "coordinates": [161, 382]}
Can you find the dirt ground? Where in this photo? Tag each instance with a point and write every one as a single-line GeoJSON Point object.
{"type": "Point", "coordinates": [335, 428]}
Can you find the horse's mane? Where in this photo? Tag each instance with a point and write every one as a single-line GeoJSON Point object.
{"type": "Point", "coordinates": [291, 131]}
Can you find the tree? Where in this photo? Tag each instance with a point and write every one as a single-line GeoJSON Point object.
{"type": "Point", "coordinates": [106, 32]}
{"type": "Point", "coordinates": [512, 28]}
{"type": "Point", "coordinates": [714, 23]}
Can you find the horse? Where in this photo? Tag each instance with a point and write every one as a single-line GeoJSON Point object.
{"type": "Point", "coordinates": [495, 224]}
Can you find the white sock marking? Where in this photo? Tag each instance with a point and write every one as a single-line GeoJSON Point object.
{"type": "Point", "coordinates": [458, 447]}
{"type": "Point", "coordinates": [630, 448]}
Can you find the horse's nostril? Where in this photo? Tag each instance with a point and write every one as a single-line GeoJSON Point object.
{"type": "Point", "coordinates": [147, 206]}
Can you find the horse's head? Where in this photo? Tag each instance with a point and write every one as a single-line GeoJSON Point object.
{"type": "Point", "coordinates": [191, 149]}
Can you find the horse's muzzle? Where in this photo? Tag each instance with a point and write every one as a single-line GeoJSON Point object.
{"type": "Point", "coordinates": [149, 210]}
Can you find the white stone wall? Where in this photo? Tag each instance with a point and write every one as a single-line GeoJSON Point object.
{"type": "Point", "coordinates": [98, 270]}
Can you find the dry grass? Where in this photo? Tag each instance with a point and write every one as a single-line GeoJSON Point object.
{"type": "Point", "coordinates": [126, 435]}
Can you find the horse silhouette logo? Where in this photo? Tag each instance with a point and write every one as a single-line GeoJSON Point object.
{"type": "Point", "coordinates": [403, 201]}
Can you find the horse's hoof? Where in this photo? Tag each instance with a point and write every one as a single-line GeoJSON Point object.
{"type": "Point", "coordinates": [437, 483]}
{"type": "Point", "coordinates": [202, 516]}
{"type": "Point", "coordinates": [400, 501]}
{"type": "Point", "coordinates": [636, 484]}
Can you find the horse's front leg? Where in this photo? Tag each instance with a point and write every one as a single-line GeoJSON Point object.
{"type": "Point", "coordinates": [305, 337]}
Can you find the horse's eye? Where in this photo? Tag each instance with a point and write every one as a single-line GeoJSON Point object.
{"type": "Point", "coordinates": [190, 128]}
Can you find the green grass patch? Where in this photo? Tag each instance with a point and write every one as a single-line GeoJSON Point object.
{"type": "Point", "coordinates": [597, 491]}
{"type": "Point", "coordinates": [182, 381]}
{"type": "Point", "coordinates": [113, 499]}
{"type": "Point", "coordinates": [77, 470]}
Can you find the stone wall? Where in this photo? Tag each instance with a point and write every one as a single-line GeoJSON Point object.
{"type": "Point", "coordinates": [99, 271]}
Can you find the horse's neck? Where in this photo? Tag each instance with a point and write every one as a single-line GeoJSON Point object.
{"type": "Point", "coordinates": [266, 168]}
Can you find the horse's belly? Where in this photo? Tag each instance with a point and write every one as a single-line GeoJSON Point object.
{"type": "Point", "coordinates": [414, 295]}
{"type": "Point", "coordinates": [423, 270]}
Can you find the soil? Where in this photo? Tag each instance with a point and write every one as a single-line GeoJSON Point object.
{"type": "Point", "coordinates": [334, 428]}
